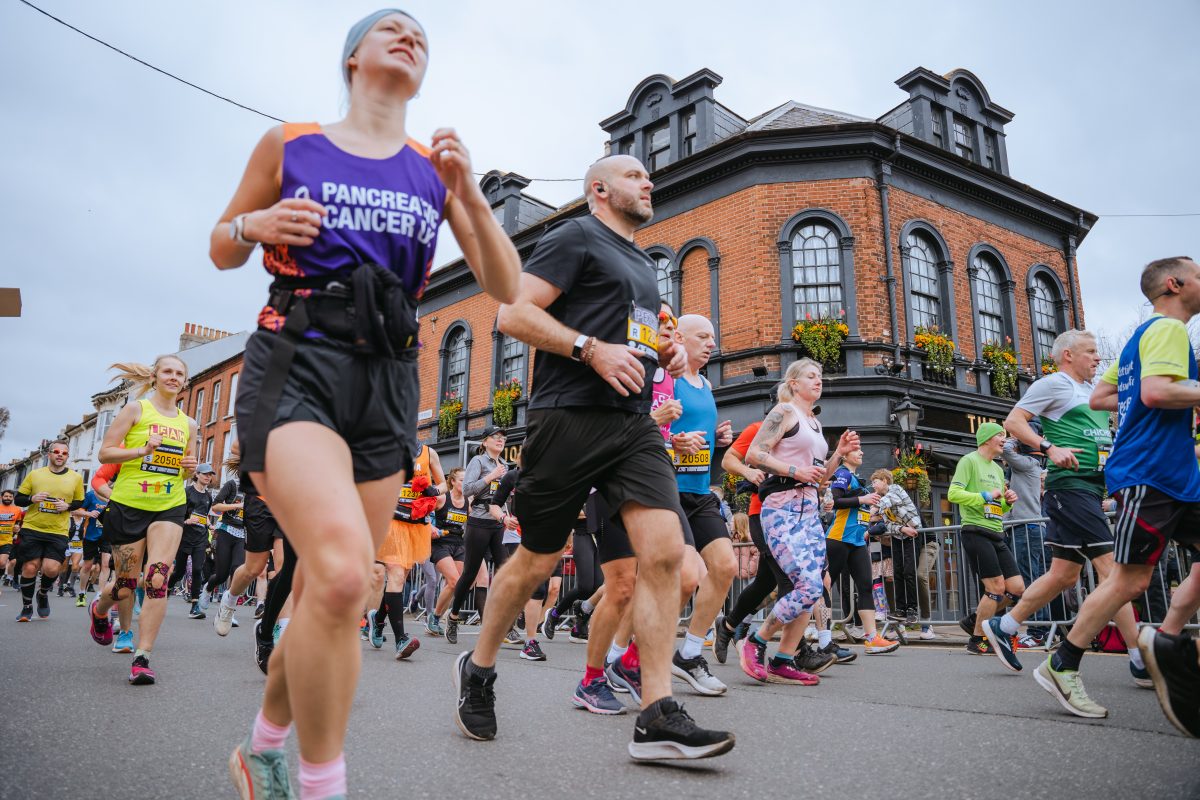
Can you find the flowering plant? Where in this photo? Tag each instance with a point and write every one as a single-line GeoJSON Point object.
{"type": "Point", "coordinates": [1003, 361]}
{"type": "Point", "coordinates": [1048, 365]}
{"type": "Point", "coordinates": [938, 347]}
{"type": "Point", "coordinates": [821, 339]}
{"type": "Point", "coordinates": [448, 413]}
{"type": "Point", "coordinates": [503, 398]}
{"type": "Point", "coordinates": [911, 472]}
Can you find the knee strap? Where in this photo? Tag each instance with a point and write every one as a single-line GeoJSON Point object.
{"type": "Point", "coordinates": [157, 568]}
{"type": "Point", "coordinates": [999, 598]}
{"type": "Point", "coordinates": [1016, 598]}
{"type": "Point", "coordinates": [122, 583]}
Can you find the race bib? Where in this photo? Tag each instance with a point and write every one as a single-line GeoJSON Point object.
{"type": "Point", "coordinates": [992, 511]}
{"type": "Point", "coordinates": [198, 519]}
{"type": "Point", "coordinates": [642, 331]}
{"type": "Point", "coordinates": [864, 516]}
{"type": "Point", "coordinates": [1102, 457]}
{"type": "Point", "coordinates": [457, 517]}
{"type": "Point", "coordinates": [48, 506]}
{"type": "Point", "coordinates": [166, 459]}
{"type": "Point", "coordinates": [407, 493]}
{"type": "Point", "coordinates": [6, 527]}
{"type": "Point", "coordinates": [699, 461]}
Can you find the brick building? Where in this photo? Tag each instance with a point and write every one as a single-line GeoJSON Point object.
{"type": "Point", "coordinates": [907, 220]}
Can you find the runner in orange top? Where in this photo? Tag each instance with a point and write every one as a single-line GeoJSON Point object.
{"type": "Point", "coordinates": [10, 523]}
{"type": "Point", "coordinates": [409, 541]}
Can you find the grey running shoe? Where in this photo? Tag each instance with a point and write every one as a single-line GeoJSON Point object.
{"type": "Point", "coordinates": [695, 671]}
{"type": "Point", "coordinates": [260, 776]}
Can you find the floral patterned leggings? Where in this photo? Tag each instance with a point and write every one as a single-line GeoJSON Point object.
{"type": "Point", "coordinates": [796, 538]}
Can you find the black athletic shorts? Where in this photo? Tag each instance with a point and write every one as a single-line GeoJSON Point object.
{"type": "Point", "coordinates": [449, 546]}
{"type": "Point", "coordinates": [35, 544]}
{"type": "Point", "coordinates": [5, 549]}
{"type": "Point", "coordinates": [125, 524]}
{"type": "Point", "coordinates": [989, 556]}
{"type": "Point", "coordinates": [1146, 519]}
{"type": "Point", "coordinates": [261, 528]}
{"type": "Point", "coordinates": [1077, 528]}
{"type": "Point", "coordinates": [612, 539]}
{"type": "Point", "coordinates": [92, 548]}
{"type": "Point", "coordinates": [570, 450]}
{"type": "Point", "coordinates": [703, 512]}
{"type": "Point", "coordinates": [370, 401]}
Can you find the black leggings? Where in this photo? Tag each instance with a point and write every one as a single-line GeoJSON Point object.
{"type": "Point", "coordinates": [588, 575]}
{"type": "Point", "coordinates": [278, 589]}
{"type": "Point", "coordinates": [768, 578]}
{"type": "Point", "coordinates": [230, 553]}
{"type": "Point", "coordinates": [856, 560]}
{"type": "Point", "coordinates": [481, 539]}
{"type": "Point", "coordinates": [194, 549]}
{"type": "Point", "coordinates": [905, 554]}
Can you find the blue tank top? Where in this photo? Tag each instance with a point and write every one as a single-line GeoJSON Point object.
{"type": "Point", "coordinates": [1153, 446]}
{"type": "Point", "coordinates": [693, 472]}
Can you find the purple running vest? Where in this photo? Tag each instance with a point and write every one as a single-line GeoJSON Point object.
{"type": "Point", "coordinates": [385, 211]}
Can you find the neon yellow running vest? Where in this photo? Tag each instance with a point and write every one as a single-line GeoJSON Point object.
{"type": "Point", "coordinates": [154, 482]}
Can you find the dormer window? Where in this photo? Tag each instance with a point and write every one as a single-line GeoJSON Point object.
{"type": "Point", "coordinates": [989, 150]}
{"type": "Point", "coordinates": [964, 141]}
{"type": "Point", "coordinates": [658, 147]}
{"type": "Point", "coordinates": [689, 133]}
{"type": "Point", "coordinates": [937, 128]}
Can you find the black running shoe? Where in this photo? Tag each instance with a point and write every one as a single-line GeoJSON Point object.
{"type": "Point", "coordinates": [675, 735]}
{"type": "Point", "coordinates": [451, 629]}
{"type": "Point", "coordinates": [1001, 643]}
{"type": "Point", "coordinates": [579, 630]}
{"type": "Point", "coordinates": [809, 659]}
{"type": "Point", "coordinates": [43, 604]}
{"type": "Point", "coordinates": [842, 655]}
{"type": "Point", "coordinates": [476, 710]}
{"type": "Point", "coordinates": [1171, 662]}
{"type": "Point", "coordinates": [262, 647]}
{"type": "Point", "coordinates": [533, 651]}
{"type": "Point", "coordinates": [550, 623]}
{"type": "Point", "coordinates": [967, 623]}
{"type": "Point", "coordinates": [722, 636]}
{"type": "Point", "coordinates": [978, 646]}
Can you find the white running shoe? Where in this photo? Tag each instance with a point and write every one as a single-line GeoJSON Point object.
{"type": "Point", "coordinates": [223, 622]}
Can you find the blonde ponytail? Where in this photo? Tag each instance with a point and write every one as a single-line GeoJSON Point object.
{"type": "Point", "coordinates": [141, 376]}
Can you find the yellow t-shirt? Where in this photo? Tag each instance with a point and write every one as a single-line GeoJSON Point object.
{"type": "Point", "coordinates": [1164, 349]}
{"type": "Point", "coordinates": [43, 517]}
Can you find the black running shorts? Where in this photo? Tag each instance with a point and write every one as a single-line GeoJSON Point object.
{"type": "Point", "coordinates": [125, 524]}
{"type": "Point", "coordinates": [1076, 528]}
{"type": "Point", "coordinates": [261, 528]}
{"type": "Point", "coordinates": [703, 512]}
{"type": "Point", "coordinates": [93, 548]}
{"type": "Point", "coordinates": [450, 546]}
{"type": "Point", "coordinates": [570, 450]}
{"type": "Point", "coordinates": [35, 544]}
{"type": "Point", "coordinates": [370, 401]}
{"type": "Point", "coordinates": [1146, 520]}
{"type": "Point", "coordinates": [988, 556]}
{"type": "Point", "coordinates": [5, 549]}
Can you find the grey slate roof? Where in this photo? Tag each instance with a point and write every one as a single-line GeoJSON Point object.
{"type": "Point", "coordinates": [799, 115]}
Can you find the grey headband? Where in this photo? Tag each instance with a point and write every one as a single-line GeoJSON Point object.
{"type": "Point", "coordinates": [359, 30]}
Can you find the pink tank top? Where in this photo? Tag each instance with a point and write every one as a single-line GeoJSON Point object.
{"type": "Point", "coordinates": [664, 390]}
{"type": "Point", "coordinates": [805, 447]}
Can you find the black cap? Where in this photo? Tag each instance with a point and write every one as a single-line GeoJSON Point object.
{"type": "Point", "coordinates": [492, 430]}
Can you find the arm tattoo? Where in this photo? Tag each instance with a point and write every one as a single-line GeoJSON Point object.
{"type": "Point", "coordinates": [767, 437]}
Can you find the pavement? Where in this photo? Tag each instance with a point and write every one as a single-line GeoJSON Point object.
{"type": "Point", "coordinates": [928, 721]}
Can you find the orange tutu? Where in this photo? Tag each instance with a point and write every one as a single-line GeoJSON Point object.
{"type": "Point", "coordinates": [406, 544]}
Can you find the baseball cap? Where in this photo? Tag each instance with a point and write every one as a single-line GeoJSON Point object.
{"type": "Point", "coordinates": [204, 469]}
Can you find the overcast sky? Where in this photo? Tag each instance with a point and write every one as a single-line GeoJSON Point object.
{"type": "Point", "coordinates": [113, 174]}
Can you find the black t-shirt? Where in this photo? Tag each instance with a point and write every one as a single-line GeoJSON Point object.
{"type": "Point", "coordinates": [199, 502]}
{"type": "Point", "coordinates": [507, 485]}
{"type": "Point", "coordinates": [610, 291]}
{"type": "Point", "coordinates": [230, 493]}
{"type": "Point", "coordinates": [451, 519]}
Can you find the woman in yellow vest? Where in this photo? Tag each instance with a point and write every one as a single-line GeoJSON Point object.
{"type": "Point", "coordinates": [151, 439]}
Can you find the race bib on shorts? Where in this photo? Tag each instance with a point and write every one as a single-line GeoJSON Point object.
{"type": "Point", "coordinates": [166, 459]}
{"type": "Point", "coordinates": [642, 331]}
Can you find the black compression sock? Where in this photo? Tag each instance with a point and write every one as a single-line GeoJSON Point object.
{"type": "Point", "coordinates": [395, 612]}
{"type": "Point", "coordinates": [27, 585]}
{"type": "Point", "coordinates": [1066, 657]}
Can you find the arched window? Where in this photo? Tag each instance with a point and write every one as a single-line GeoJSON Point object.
{"type": "Point", "coordinates": [990, 299]}
{"type": "Point", "coordinates": [662, 271]}
{"type": "Point", "coordinates": [816, 272]}
{"type": "Point", "coordinates": [454, 363]}
{"type": "Point", "coordinates": [1044, 303]}
{"type": "Point", "coordinates": [923, 281]}
{"type": "Point", "coordinates": [512, 360]}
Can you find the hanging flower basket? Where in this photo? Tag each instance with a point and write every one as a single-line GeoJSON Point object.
{"type": "Point", "coordinates": [448, 413]}
{"type": "Point", "coordinates": [504, 397]}
{"type": "Point", "coordinates": [821, 339]}
{"type": "Point", "coordinates": [1048, 366]}
{"type": "Point", "coordinates": [938, 347]}
{"type": "Point", "coordinates": [912, 473]}
{"type": "Point", "coordinates": [1003, 361]}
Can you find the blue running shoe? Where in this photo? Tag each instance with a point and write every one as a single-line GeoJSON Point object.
{"type": "Point", "coordinates": [1002, 644]}
{"type": "Point", "coordinates": [374, 631]}
{"type": "Point", "coordinates": [625, 680]}
{"type": "Point", "coordinates": [123, 642]}
{"type": "Point", "coordinates": [597, 697]}
{"type": "Point", "coordinates": [260, 775]}
{"type": "Point", "coordinates": [1141, 677]}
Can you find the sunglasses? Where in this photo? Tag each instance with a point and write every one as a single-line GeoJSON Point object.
{"type": "Point", "coordinates": [665, 317]}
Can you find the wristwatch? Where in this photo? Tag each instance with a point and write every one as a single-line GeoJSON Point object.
{"type": "Point", "coordinates": [577, 348]}
{"type": "Point", "coordinates": [1045, 445]}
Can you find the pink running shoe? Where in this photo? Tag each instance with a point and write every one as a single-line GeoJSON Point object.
{"type": "Point", "coordinates": [100, 629]}
{"type": "Point", "coordinates": [750, 655]}
{"type": "Point", "coordinates": [140, 673]}
{"type": "Point", "coordinates": [787, 673]}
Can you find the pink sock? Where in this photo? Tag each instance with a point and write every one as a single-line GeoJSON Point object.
{"type": "Point", "coordinates": [267, 735]}
{"type": "Point", "coordinates": [319, 781]}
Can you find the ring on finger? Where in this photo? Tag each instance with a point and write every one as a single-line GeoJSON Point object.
{"type": "Point", "coordinates": [295, 217]}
